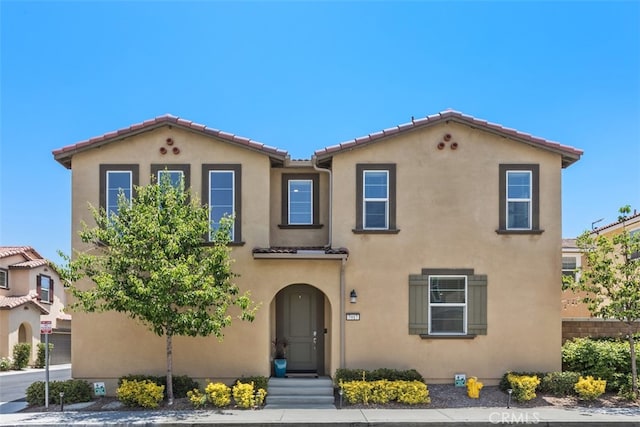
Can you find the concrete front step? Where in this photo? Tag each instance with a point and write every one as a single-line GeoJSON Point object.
{"type": "Point", "coordinates": [308, 393]}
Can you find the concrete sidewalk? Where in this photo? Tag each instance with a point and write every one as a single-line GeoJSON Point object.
{"type": "Point", "coordinates": [336, 418]}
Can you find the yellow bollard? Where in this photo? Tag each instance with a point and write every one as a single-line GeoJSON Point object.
{"type": "Point", "coordinates": [473, 387]}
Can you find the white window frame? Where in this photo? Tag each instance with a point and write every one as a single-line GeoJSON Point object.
{"type": "Point", "coordinates": [310, 202]}
{"type": "Point", "coordinates": [48, 279]}
{"type": "Point", "coordinates": [574, 272]}
{"type": "Point", "coordinates": [375, 199]}
{"type": "Point", "coordinates": [4, 282]}
{"type": "Point", "coordinates": [634, 255]}
{"type": "Point", "coordinates": [438, 304]}
{"type": "Point", "coordinates": [529, 200]}
{"type": "Point", "coordinates": [161, 172]}
{"type": "Point", "coordinates": [108, 188]}
{"type": "Point", "coordinates": [233, 201]}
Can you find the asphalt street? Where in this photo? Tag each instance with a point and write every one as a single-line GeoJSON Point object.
{"type": "Point", "coordinates": [13, 384]}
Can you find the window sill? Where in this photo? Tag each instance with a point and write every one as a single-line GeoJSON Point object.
{"type": "Point", "coordinates": [300, 226]}
{"type": "Point", "coordinates": [504, 231]}
{"type": "Point", "coordinates": [447, 337]}
{"type": "Point", "coordinates": [228, 244]}
{"type": "Point", "coordinates": [365, 231]}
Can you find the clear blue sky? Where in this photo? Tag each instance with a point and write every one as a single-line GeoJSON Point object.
{"type": "Point", "coordinates": [304, 75]}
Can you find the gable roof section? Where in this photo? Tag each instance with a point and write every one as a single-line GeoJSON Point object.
{"type": "Point", "coordinates": [65, 154]}
{"type": "Point", "coordinates": [569, 154]}
{"type": "Point", "coordinates": [8, 303]}
{"type": "Point", "coordinates": [630, 220]}
{"type": "Point", "coordinates": [31, 258]}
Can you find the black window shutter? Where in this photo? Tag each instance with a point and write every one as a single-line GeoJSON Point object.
{"type": "Point", "coordinates": [39, 287]}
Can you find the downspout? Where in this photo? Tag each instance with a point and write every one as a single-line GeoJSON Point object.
{"type": "Point", "coordinates": [314, 161]}
{"type": "Point", "coordinates": [343, 261]}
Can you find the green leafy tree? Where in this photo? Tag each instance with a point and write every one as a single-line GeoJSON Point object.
{"type": "Point", "coordinates": [611, 278]}
{"type": "Point", "coordinates": [150, 261]}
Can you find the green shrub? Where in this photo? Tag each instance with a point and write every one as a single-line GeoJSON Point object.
{"type": "Point", "coordinates": [41, 361]}
{"type": "Point", "coordinates": [257, 380]}
{"type": "Point", "coordinates": [145, 394]}
{"type": "Point", "coordinates": [559, 383]}
{"type": "Point", "coordinates": [523, 386]}
{"type": "Point", "coordinates": [75, 391]}
{"type": "Point", "coordinates": [589, 388]}
{"type": "Point", "coordinates": [376, 375]}
{"type": "Point", "coordinates": [5, 363]}
{"type": "Point", "coordinates": [21, 355]}
{"type": "Point", "coordinates": [182, 384]}
{"type": "Point", "coordinates": [606, 359]}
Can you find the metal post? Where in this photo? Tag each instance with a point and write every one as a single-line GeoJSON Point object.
{"type": "Point", "coordinates": [46, 371]}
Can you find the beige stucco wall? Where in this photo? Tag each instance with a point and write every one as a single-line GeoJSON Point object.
{"type": "Point", "coordinates": [447, 211]}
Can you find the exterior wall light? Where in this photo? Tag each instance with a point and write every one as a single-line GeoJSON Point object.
{"type": "Point", "coordinates": [353, 297]}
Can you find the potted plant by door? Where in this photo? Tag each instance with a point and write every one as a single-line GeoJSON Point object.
{"type": "Point", "coordinates": [280, 357]}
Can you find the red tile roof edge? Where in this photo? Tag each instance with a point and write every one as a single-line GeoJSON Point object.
{"type": "Point", "coordinates": [630, 217]}
{"type": "Point", "coordinates": [569, 154]}
{"type": "Point", "coordinates": [63, 155]}
{"type": "Point", "coordinates": [8, 303]}
{"type": "Point", "coordinates": [7, 251]}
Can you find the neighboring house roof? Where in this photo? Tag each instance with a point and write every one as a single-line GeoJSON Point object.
{"type": "Point", "coordinates": [27, 251]}
{"type": "Point", "coordinates": [569, 154]}
{"type": "Point", "coordinates": [64, 155]}
{"type": "Point", "coordinates": [569, 244]}
{"type": "Point", "coordinates": [632, 218]}
{"type": "Point", "coordinates": [8, 303]}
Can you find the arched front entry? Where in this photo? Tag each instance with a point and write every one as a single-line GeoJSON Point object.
{"type": "Point", "coordinates": [23, 333]}
{"type": "Point", "coordinates": [300, 320]}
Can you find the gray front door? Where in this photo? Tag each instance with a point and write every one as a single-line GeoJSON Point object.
{"type": "Point", "coordinates": [300, 321]}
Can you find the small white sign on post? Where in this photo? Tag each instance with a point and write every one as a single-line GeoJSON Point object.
{"type": "Point", "coordinates": [45, 327]}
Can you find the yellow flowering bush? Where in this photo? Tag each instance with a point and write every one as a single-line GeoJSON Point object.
{"type": "Point", "coordinates": [589, 388]}
{"type": "Point", "coordinates": [218, 394]}
{"type": "Point", "coordinates": [385, 391]}
{"type": "Point", "coordinates": [197, 398]}
{"type": "Point", "coordinates": [524, 386]}
{"type": "Point", "coordinates": [412, 392]}
{"type": "Point", "coordinates": [145, 394]}
{"type": "Point", "coordinates": [243, 395]}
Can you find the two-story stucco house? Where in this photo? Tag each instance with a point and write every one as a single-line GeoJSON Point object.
{"type": "Point", "coordinates": [31, 292]}
{"type": "Point", "coordinates": [433, 245]}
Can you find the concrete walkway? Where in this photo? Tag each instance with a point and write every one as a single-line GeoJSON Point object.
{"type": "Point", "coordinates": [336, 417]}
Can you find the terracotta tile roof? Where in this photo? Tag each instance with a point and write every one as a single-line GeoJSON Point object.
{"type": "Point", "coordinates": [7, 251]}
{"type": "Point", "coordinates": [8, 303]}
{"type": "Point", "coordinates": [300, 249]}
{"type": "Point", "coordinates": [632, 218]}
{"type": "Point", "coordinates": [64, 154]}
{"type": "Point", "coordinates": [30, 264]}
{"type": "Point", "coordinates": [569, 244]}
{"type": "Point", "coordinates": [64, 316]}
{"type": "Point", "coordinates": [569, 154]}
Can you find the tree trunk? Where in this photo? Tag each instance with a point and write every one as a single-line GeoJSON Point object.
{"type": "Point", "coordinates": [169, 369]}
{"type": "Point", "coordinates": [634, 369]}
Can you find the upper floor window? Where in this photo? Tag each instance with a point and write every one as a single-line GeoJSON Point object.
{"type": "Point", "coordinates": [45, 288]}
{"type": "Point", "coordinates": [519, 199]}
{"type": "Point", "coordinates": [569, 266]}
{"type": "Point", "coordinates": [221, 189]}
{"type": "Point", "coordinates": [4, 278]}
{"type": "Point", "coordinates": [376, 198]}
{"type": "Point", "coordinates": [174, 172]}
{"type": "Point", "coordinates": [300, 201]}
{"type": "Point", "coordinates": [116, 180]}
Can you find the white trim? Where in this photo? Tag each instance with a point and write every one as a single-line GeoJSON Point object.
{"type": "Point", "coordinates": [375, 199]}
{"type": "Point", "coordinates": [528, 200]}
{"type": "Point", "coordinates": [464, 305]}
{"type": "Point", "coordinates": [108, 188]}
{"type": "Point", "coordinates": [233, 198]}
{"type": "Point", "coordinates": [310, 182]}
